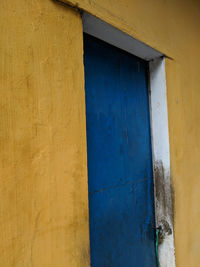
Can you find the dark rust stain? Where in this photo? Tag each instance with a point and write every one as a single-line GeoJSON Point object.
{"type": "Point", "coordinates": [164, 201]}
{"type": "Point", "coordinates": [164, 229]}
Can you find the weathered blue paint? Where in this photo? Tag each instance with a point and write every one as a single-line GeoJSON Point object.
{"type": "Point", "coordinates": [120, 178]}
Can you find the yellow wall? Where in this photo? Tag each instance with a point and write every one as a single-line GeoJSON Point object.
{"type": "Point", "coordinates": [43, 174]}
{"type": "Point", "coordinates": [43, 170]}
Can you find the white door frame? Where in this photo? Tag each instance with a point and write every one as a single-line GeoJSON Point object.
{"type": "Point", "coordinates": [159, 127]}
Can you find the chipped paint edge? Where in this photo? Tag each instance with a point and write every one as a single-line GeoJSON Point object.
{"type": "Point", "coordinates": [161, 161]}
{"type": "Point", "coordinates": [159, 128]}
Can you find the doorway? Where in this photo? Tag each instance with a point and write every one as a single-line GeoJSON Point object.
{"type": "Point", "coordinates": [120, 176]}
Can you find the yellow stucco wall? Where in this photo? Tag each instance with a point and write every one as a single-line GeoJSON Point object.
{"type": "Point", "coordinates": [43, 173]}
{"type": "Point", "coordinates": [43, 170]}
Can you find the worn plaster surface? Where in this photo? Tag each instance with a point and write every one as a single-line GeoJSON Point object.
{"type": "Point", "coordinates": [43, 217]}
{"type": "Point", "coordinates": [43, 170]}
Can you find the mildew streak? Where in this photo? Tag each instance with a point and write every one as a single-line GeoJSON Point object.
{"type": "Point", "coordinates": [163, 200]}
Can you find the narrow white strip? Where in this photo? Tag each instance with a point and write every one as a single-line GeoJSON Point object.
{"type": "Point", "coordinates": [161, 161]}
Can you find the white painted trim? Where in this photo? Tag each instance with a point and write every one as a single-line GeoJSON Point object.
{"type": "Point", "coordinates": [161, 161]}
{"type": "Point", "coordinates": [159, 127]}
{"type": "Point", "coordinates": [111, 35]}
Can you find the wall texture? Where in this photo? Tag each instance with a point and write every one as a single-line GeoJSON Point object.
{"type": "Point", "coordinates": [43, 170]}
{"type": "Point", "coordinates": [43, 174]}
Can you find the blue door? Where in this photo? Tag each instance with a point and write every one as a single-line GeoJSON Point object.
{"type": "Point", "coordinates": [120, 180]}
